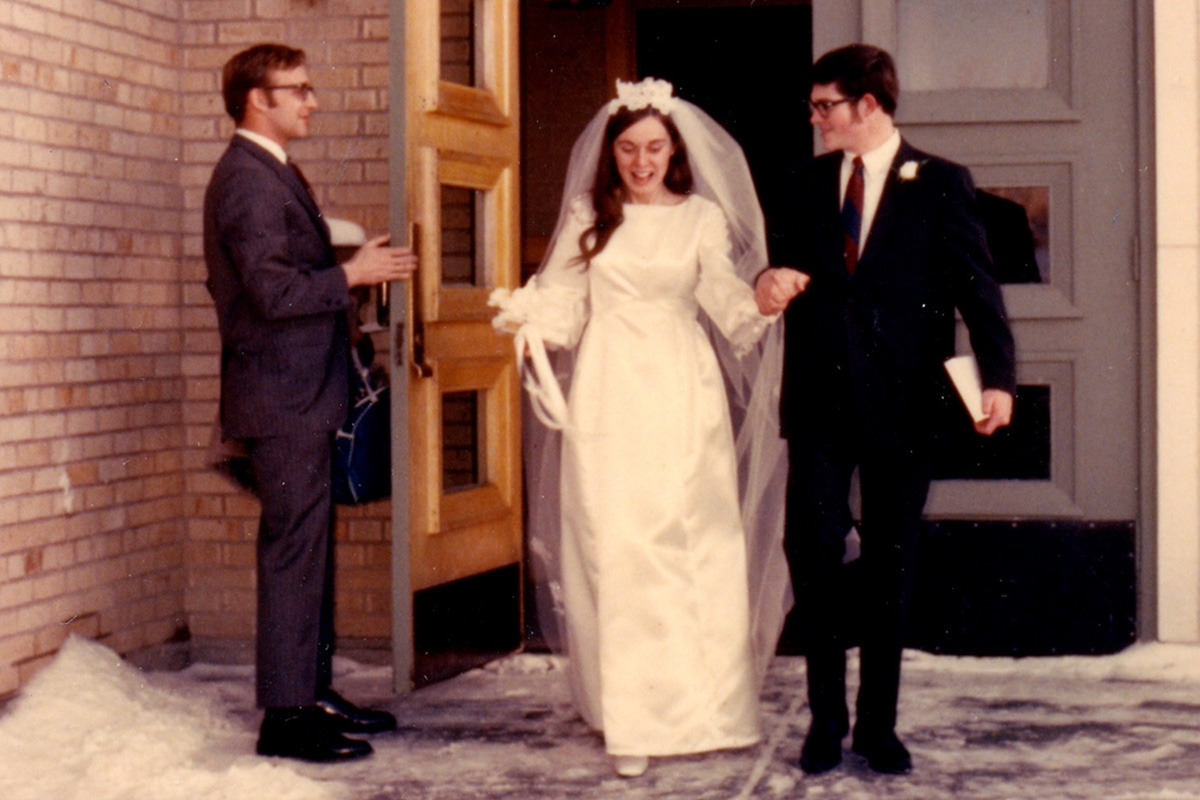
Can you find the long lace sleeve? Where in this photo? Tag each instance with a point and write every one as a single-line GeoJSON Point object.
{"type": "Point", "coordinates": [554, 302]}
{"type": "Point", "coordinates": [726, 298]}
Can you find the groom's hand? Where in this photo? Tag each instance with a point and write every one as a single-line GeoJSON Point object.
{"type": "Point", "coordinates": [775, 287]}
{"type": "Point", "coordinates": [998, 405]}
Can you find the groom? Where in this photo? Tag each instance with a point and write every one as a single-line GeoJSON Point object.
{"type": "Point", "coordinates": [888, 242]}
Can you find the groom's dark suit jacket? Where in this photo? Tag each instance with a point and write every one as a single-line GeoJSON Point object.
{"type": "Point", "coordinates": [280, 301]}
{"type": "Point", "coordinates": [876, 341]}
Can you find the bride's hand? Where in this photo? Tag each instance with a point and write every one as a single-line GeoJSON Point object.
{"type": "Point", "coordinates": [776, 287]}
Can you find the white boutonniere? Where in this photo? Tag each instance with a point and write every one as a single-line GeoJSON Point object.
{"type": "Point", "coordinates": [908, 170]}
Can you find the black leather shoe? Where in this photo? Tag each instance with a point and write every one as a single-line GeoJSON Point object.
{"type": "Point", "coordinates": [884, 753]}
{"type": "Point", "coordinates": [305, 734]}
{"type": "Point", "coordinates": [349, 718]}
{"type": "Point", "coordinates": [822, 749]}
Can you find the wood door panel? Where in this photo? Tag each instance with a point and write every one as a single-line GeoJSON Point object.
{"type": "Point", "coordinates": [462, 553]}
{"type": "Point", "coordinates": [465, 137]}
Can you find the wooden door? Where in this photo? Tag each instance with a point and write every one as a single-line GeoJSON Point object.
{"type": "Point", "coordinates": [458, 500]}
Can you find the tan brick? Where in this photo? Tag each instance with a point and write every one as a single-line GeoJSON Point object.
{"type": "Point", "coordinates": [201, 600]}
{"type": "Point", "coordinates": [16, 647]}
{"type": "Point", "coordinates": [10, 680]}
{"type": "Point", "coordinates": [359, 8]}
{"type": "Point", "coordinates": [376, 28]}
{"type": "Point", "coordinates": [221, 626]}
{"type": "Point", "coordinates": [16, 593]}
{"type": "Point", "coordinates": [362, 626]}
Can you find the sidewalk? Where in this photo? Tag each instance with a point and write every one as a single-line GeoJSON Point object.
{"type": "Point", "coordinates": [1114, 727]}
{"type": "Point", "coordinates": [1124, 726]}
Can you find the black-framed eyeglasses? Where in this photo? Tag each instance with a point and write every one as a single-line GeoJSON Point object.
{"type": "Point", "coordinates": [823, 107]}
{"type": "Point", "coordinates": [301, 90]}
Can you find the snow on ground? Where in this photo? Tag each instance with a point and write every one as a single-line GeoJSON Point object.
{"type": "Point", "coordinates": [1141, 662]}
{"type": "Point", "coordinates": [91, 727]}
{"type": "Point", "coordinates": [1127, 727]}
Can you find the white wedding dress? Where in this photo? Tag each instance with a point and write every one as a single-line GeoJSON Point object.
{"type": "Point", "coordinates": [654, 580]}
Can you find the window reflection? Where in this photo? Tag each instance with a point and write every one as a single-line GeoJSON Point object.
{"type": "Point", "coordinates": [1017, 221]}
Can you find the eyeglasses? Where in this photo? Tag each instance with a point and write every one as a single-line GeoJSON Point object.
{"type": "Point", "coordinates": [823, 107]}
{"type": "Point", "coordinates": [301, 90]}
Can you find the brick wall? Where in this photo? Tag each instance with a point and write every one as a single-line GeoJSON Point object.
{"type": "Point", "coordinates": [346, 161]}
{"type": "Point", "coordinates": [110, 122]}
{"type": "Point", "coordinates": [91, 479]}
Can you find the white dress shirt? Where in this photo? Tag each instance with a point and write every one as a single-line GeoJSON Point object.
{"type": "Point", "coordinates": [270, 145]}
{"type": "Point", "coordinates": [875, 171]}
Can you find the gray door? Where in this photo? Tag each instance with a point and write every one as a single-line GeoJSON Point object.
{"type": "Point", "coordinates": [1039, 99]}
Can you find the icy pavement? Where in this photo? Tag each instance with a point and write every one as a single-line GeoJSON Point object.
{"type": "Point", "coordinates": [1123, 726]}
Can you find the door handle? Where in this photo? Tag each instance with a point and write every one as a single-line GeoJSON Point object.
{"type": "Point", "coordinates": [383, 303]}
{"type": "Point", "coordinates": [420, 365]}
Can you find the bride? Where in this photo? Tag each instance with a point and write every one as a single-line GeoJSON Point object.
{"type": "Point", "coordinates": [664, 522]}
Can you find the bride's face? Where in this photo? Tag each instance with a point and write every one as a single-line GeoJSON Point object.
{"type": "Point", "coordinates": [643, 152]}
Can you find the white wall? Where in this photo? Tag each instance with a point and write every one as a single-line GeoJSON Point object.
{"type": "Point", "coordinates": [1177, 121]}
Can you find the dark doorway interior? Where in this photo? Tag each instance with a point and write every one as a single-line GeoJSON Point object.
{"type": "Point", "coordinates": [466, 623]}
{"type": "Point", "coordinates": [748, 68]}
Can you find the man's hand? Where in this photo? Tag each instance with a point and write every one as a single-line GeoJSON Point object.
{"type": "Point", "coordinates": [375, 262]}
{"type": "Point", "coordinates": [776, 287]}
{"type": "Point", "coordinates": [998, 405]}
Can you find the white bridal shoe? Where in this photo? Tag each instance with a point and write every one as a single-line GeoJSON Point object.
{"type": "Point", "coordinates": [631, 766]}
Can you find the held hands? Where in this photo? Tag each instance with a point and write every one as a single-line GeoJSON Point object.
{"type": "Point", "coordinates": [998, 405]}
{"type": "Point", "coordinates": [375, 262]}
{"type": "Point", "coordinates": [778, 286]}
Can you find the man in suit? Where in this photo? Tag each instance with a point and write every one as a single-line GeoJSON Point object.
{"type": "Point", "coordinates": [888, 243]}
{"type": "Point", "coordinates": [282, 303]}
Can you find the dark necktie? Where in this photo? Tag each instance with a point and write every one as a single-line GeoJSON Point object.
{"type": "Point", "coordinates": [852, 208]}
{"type": "Point", "coordinates": [308, 186]}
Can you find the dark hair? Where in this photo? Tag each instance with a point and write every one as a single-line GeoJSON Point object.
{"type": "Point", "coordinates": [858, 70]}
{"type": "Point", "coordinates": [608, 192]}
{"type": "Point", "coordinates": [249, 69]}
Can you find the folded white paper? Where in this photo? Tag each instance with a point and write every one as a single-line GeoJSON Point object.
{"type": "Point", "coordinates": [964, 374]}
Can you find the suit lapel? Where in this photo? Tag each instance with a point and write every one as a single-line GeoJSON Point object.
{"type": "Point", "coordinates": [290, 178]}
{"type": "Point", "coordinates": [886, 212]}
{"type": "Point", "coordinates": [827, 182]}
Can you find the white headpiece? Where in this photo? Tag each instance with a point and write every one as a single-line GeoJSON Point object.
{"type": "Point", "coordinates": [647, 92]}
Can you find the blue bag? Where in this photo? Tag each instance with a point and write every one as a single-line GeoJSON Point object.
{"type": "Point", "coordinates": [362, 453]}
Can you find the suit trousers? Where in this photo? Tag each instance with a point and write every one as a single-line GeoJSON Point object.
{"type": "Point", "coordinates": [894, 483]}
{"type": "Point", "coordinates": [294, 641]}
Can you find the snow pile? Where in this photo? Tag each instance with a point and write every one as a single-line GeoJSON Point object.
{"type": "Point", "coordinates": [1151, 661]}
{"type": "Point", "coordinates": [90, 727]}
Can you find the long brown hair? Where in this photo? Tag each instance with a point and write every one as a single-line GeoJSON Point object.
{"type": "Point", "coordinates": [608, 191]}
